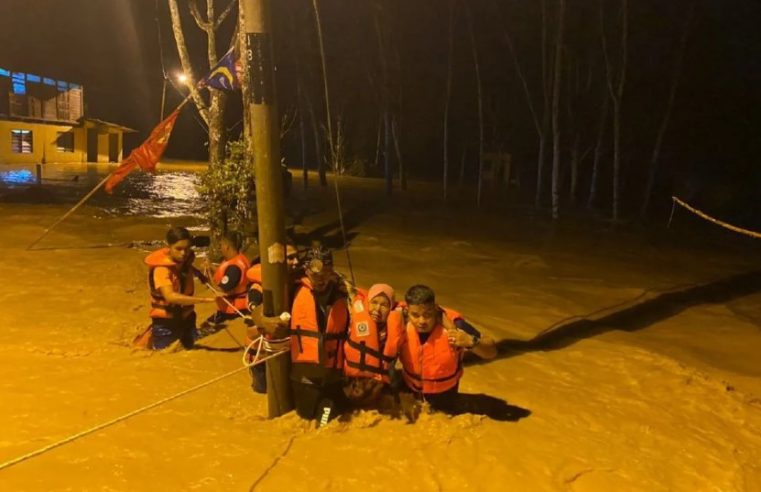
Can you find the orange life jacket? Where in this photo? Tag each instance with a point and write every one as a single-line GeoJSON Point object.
{"type": "Point", "coordinates": [431, 367]}
{"type": "Point", "coordinates": [238, 296]}
{"type": "Point", "coordinates": [313, 342]}
{"type": "Point", "coordinates": [181, 276]}
{"type": "Point", "coordinates": [363, 350]}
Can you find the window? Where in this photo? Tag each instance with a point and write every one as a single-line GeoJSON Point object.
{"type": "Point", "coordinates": [19, 83]}
{"type": "Point", "coordinates": [65, 141]}
{"type": "Point", "coordinates": [21, 141]}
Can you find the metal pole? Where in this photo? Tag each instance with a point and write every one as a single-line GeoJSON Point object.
{"type": "Point", "coordinates": [263, 146]}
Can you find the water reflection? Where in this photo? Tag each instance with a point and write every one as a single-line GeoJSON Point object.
{"type": "Point", "coordinates": [169, 193]}
{"type": "Point", "coordinates": [17, 177]}
{"type": "Point", "coordinates": [166, 194]}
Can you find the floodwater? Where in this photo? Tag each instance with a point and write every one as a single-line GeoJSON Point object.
{"type": "Point", "coordinates": [170, 192]}
{"type": "Point", "coordinates": [636, 355]}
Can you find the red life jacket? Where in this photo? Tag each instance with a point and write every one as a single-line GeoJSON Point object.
{"type": "Point", "coordinates": [364, 347]}
{"type": "Point", "coordinates": [431, 367]}
{"type": "Point", "coordinates": [181, 276]}
{"type": "Point", "coordinates": [238, 296]}
{"type": "Point", "coordinates": [313, 342]}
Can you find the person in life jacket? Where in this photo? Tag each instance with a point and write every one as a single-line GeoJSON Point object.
{"type": "Point", "coordinates": [318, 324]}
{"type": "Point", "coordinates": [230, 278]}
{"type": "Point", "coordinates": [366, 363]}
{"type": "Point", "coordinates": [170, 278]}
{"type": "Point", "coordinates": [431, 348]}
{"type": "Point", "coordinates": [255, 299]}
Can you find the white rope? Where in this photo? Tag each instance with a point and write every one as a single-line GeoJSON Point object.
{"type": "Point", "coordinates": [718, 222]}
{"type": "Point", "coordinates": [140, 410]}
{"type": "Point", "coordinates": [272, 347]}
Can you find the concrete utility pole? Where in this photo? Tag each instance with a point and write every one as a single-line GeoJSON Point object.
{"type": "Point", "coordinates": [263, 145]}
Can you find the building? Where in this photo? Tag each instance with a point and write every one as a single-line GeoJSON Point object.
{"type": "Point", "coordinates": [42, 121]}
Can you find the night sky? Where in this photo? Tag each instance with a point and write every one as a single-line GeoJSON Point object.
{"type": "Point", "coordinates": [112, 48]}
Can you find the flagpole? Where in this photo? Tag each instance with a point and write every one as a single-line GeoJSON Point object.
{"type": "Point", "coordinates": [71, 211]}
{"type": "Point", "coordinates": [91, 193]}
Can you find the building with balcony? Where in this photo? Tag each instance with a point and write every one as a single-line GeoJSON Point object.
{"type": "Point", "coordinates": [42, 121]}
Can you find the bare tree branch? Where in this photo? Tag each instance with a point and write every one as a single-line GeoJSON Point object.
{"type": "Point", "coordinates": [187, 66]}
{"type": "Point", "coordinates": [224, 14]}
{"type": "Point", "coordinates": [196, 13]}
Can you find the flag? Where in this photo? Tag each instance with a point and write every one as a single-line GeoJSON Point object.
{"type": "Point", "coordinates": [148, 154]}
{"type": "Point", "coordinates": [225, 75]}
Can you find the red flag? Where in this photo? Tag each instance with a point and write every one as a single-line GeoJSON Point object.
{"type": "Point", "coordinates": [148, 154]}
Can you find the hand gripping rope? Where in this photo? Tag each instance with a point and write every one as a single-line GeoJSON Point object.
{"type": "Point", "coordinates": [273, 347]}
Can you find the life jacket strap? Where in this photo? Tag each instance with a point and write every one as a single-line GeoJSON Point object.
{"type": "Point", "coordinates": [364, 367]}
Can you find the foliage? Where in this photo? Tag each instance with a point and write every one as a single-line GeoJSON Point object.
{"type": "Point", "coordinates": [358, 167]}
{"type": "Point", "coordinates": [228, 191]}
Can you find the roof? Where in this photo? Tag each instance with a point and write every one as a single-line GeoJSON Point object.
{"type": "Point", "coordinates": [96, 123]}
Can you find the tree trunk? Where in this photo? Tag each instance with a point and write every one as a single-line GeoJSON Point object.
{"type": "Point", "coordinates": [540, 168]}
{"type": "Point", "coordinates": [387, 159]}
{"type": "Point", "coordinates": [317, 141]}
{"type": "Point", "coordinates": [187, 66]}
{"type": "Point", "coordinates": [546, 95]}
{"type": "Point", "coordinates": [653, 168]}
{"type": "Point", "coordinates": [378, 141]}
{"type": "Point", "coordinates": [479, 89]}
{"type": "Point", "coordinates": [616, 84]}
{"type": "Point", "coordinates": [397, 148]}
{"type": "Point", "coordinates": [575, 158]}
{"type": "Point", "coordinates": [217, 128]}
{"type": "Point", "coordinates": [461, 181]}
{"type": "Point", "coordinates": [595, 178]}
{"type": "Point", "coordinates": [556, 134]}
{"type": "Point", "coordinates": [540, 126]}
{"type": "Point", "coordinates": [303, 134]}
{"type": "Point", "coordinates": [448, 98]}
{"type": "Point", "coordinates": [329, 121]}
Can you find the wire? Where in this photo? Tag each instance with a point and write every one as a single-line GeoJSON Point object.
{"type": "Point", "coordinates": [330, 136]}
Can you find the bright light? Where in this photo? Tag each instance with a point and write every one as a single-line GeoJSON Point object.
{"type": "Point", "coordinates": [182, 78]}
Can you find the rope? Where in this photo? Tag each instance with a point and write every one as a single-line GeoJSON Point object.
{"type": "Point", "coordinates": [718, 222]}
{"type": "Point", "coordinates": [272, 347]}
{"type": "Point", "coordinates": [140, 410]}
{"type": "Point", "coordinates": [330, 135]}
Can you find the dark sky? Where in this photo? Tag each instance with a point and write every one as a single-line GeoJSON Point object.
{"type": "Point", "coordinates": [111, 47]}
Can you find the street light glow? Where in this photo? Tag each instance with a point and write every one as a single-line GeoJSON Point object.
{"type": "Point", "coordinates": [182, 78]}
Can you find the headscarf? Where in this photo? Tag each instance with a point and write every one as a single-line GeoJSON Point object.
{"type": "Point", "coordinates": [384, 289]}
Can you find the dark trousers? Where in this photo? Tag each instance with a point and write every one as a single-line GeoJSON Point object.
{"type": "Point", "coordinates": [258, 377]}
{"type": "Point", "coordinates": [447, 401]}
{"type": "Point", "coordinates": [166, 331]}
{"type": "Point", "coordinates": [318, 399]}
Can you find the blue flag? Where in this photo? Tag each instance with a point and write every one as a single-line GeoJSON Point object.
{"type": "Point", "coordinates": [225, 75]}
